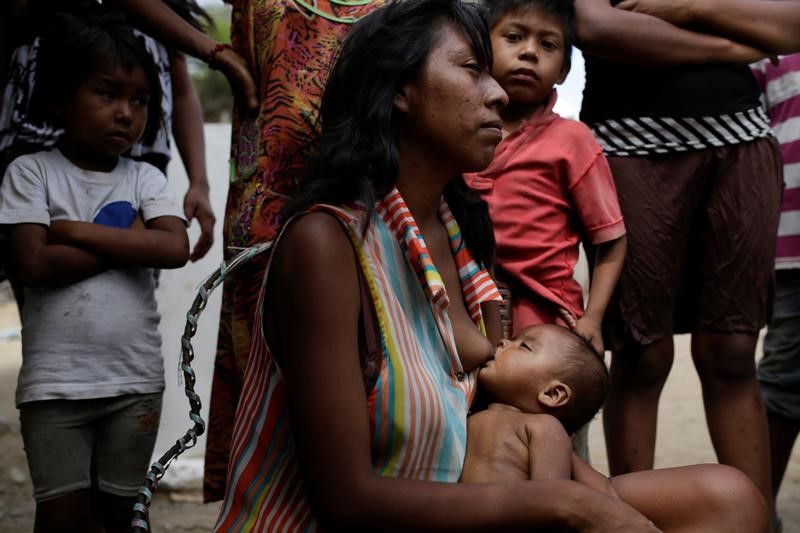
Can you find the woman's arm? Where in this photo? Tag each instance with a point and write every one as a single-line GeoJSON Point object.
{"type": "Point", "coordinates": [161, 244]}
{"type": "Point", "coordinates": [36, 263]}
{"type": "Point", "coordinates": [610, 258]}
{"type": "Point", "coordinates": [314, 303]}
{"type": "Point", "coordinates": [187, 128]}
{"type": "Point", "coordinates": [770, 25]}
{"type": "Point", "coordinates": [167, 27]}
{"type": "Point", "coordinates": [638, 38]}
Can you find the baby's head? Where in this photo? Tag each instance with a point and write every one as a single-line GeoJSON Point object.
{"type": "Point", "coordinates": [532, 46]}
{"type": "Point", "coordinates": [548, 369]}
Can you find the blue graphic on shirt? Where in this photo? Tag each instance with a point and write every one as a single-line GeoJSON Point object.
{"type": "Point", "coordinates": [116, 214]}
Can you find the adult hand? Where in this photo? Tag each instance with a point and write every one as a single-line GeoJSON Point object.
{"type": "Point", "coordinates": [676, 12]}
{"type": "Point", "coordinates": [590, 329]}
{"type": "Point", "coordinates": [234, 67]}
{"type": "Point", "coordinates": [196, 204]}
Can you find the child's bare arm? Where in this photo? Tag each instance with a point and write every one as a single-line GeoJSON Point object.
{"type": "Point", "coordinates": [584, 474]}
{"type": "Point", "coordinates": [161, 244]}
{"type": "Point", "coordinates": [549, 448]}
{"type": "Point", "coordinates": [37, 263]}
{"type": "Point", "coordinates": [608, 266]}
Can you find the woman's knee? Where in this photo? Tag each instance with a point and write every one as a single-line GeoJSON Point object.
{"type": "Point", "coordinates": [733, 497]}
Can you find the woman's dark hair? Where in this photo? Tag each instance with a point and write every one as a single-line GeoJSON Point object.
{"type": "Point", "coordinates": [77, 45]}
{"type": "Point", "coordinates": [354, 154]}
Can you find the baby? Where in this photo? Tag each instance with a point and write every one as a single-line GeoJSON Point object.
{"type": "Point", "coordinates": [543, 385]}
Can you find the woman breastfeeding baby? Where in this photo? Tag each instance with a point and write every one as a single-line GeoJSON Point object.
{"type": "Point", "coordinates": [376, 304]}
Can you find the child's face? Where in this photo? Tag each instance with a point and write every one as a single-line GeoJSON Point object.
{"type": "Point", "coordinates": [105, 116]}
{"type": "Point", "coordinates": [524, 366]}
{"type": "Point", "coordinates": [528, 48]}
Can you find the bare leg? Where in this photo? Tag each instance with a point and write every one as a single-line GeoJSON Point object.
{"type": "Point", "coordinates": [74, 512]}
{"type": "Point", "coordinates": [782, 434]}
{"type": "Point", "coordinates": [117, 512]}
{"type": "Point", "coordinates": [630, 415]}
{"type": "Point", "coordinates": [735, 412]}
{"type": "Point", "coordinates": [707, 498]}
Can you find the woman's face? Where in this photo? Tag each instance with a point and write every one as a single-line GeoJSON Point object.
{"type": "Point", "coordinates": [452, 108]}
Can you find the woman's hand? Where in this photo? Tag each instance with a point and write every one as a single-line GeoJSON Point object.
{"type": "Point", "coordinates": [234, 67]}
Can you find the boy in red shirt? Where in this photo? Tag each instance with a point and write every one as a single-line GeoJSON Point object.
{"type": "Point", "coordinates": [549, 185]}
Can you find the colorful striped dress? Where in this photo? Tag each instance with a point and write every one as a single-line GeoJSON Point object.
{"type": "Point", "coordinates": [418, 406]}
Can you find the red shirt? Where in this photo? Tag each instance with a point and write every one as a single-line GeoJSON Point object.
{"type": "Point", "coordinates": [548, 185]}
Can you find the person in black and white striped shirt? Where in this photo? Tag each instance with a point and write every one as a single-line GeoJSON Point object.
{"type": "Point", "coordinates": [698, 174]}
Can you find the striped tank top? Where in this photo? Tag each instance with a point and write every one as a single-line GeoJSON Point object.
{"type": "Point", "coordinates": [418, 405]}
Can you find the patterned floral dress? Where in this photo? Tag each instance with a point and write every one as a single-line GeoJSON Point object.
{"type": "Point", "coordinates": [289, 45]}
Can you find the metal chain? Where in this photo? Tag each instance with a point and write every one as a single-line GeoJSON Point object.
{"type": "Point", "coordinates": [140, 521]}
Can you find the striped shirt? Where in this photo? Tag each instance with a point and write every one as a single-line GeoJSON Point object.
{"type": "Point", "coordinates": [418, 405]}
{"type": "Point", "coordinates": [780, 85]}
{"type": "Point", "coordinates": [640, 136]}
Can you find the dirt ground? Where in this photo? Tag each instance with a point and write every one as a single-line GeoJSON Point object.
{"type": "Point", "coordinates": [682, 440]}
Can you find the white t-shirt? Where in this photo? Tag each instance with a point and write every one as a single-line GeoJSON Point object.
{"type": "Point", "coordinates": [98, 337]}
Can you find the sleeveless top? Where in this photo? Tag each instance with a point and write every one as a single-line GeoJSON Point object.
{"type": "Point", "coordinates": [418, 404]}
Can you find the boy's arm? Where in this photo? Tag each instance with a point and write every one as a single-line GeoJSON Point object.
{"type": "Point", "coordinates": [37, 263]}
{"type": "Point", "coordinates": [161, 244]}
{"type": "Point", "coordinates": [608, 266]}
{"type": "Point", "coordinates": [584, 474]}
{"type": "Point", "coordinates": [638, 38]}
{"type": "Point", "coordinates": [187, 128]}
{"type": "Point", "coordinates": [769, 25]}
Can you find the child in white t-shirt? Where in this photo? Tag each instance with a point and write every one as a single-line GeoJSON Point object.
{"type": "Point", "coordinates": [86, 227]}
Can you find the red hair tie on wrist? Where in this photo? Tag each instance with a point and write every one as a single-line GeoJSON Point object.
{"type": "Point", "coordinates": [212, 55]}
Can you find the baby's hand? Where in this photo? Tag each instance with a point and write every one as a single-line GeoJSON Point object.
{"type": "Point", "coordinates": [590, 329]}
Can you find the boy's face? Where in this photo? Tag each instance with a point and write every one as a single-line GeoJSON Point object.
{"type": "Point", "coordinates": [105, 116]}
{"type": "Point", "coordinates": [528, 48]}
{"type": "Point", "coordinates": [524, 366]}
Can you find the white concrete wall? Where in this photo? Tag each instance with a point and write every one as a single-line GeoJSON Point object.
{"type": "Point", "coordinates": [175, 295]}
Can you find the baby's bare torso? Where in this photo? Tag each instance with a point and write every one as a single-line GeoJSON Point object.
{"type": "Point", "coordinates": [498, 447]}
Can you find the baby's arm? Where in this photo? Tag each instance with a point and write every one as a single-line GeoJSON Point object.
{"type": "Point", "coordinates": [549, 448]}
{"type": "Point", "coordinates": [608, 266]}
{"type": "Point", "coordinates": [584, 474]}
{"type": "Point", "coordinates": [38, 263]}
{"type": "Point", "coordinates": [161, 243]}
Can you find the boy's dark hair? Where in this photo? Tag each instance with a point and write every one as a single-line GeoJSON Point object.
{"type": "Point", "coordinates": [586, 374]}
{"type": "Point", "coordinates": [76, 46]}
{"type": "Point", "coordinates": [354, 156]}
{"type": "Point", "coordinates": [494, 10]}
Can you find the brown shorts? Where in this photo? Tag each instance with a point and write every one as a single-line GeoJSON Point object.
{"type": "Point", "coordinates": [702, 228]}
